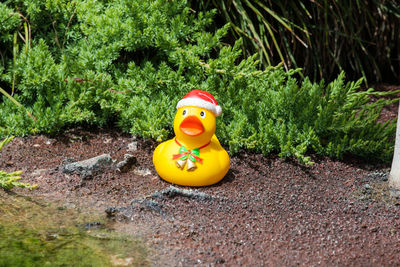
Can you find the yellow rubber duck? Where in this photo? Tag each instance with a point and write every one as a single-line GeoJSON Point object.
{"type": "Point", "coordinates": [194, 157]}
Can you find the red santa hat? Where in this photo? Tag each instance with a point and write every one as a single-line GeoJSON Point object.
{"type": "Point", "coordinates": [199, 98]}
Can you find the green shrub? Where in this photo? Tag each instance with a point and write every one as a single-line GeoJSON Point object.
{"type": "Point", "coordinates": [129, 62]}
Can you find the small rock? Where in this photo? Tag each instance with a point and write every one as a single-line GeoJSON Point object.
{"type": "Point", "coordinates": [147, 204]}
{"type": "Point", "coordinates": [220, 261]}
{"type": "Point", "coordinates": [126, 164]}
{"type": "Point", "coordinates": [142, 171]}
{"type": "Point", "coordinates": [107, 140]}
{"type": "Point", "coordinates": [132, 146]}
{"type": "Point", "coordinates": [366, 190]}
{"type": "Point", "coordinates": [68, 160]}
{"type": "Point", "coordinates": [87, 168]}
{"type": "Point", "coordinates": [92, 225]}
{"type": "Point", "coordinates": [367, 187]}
{"type": "Point", "coordinates": [111, 211]}
{"type": "Point", "coordinates": [173, 191]}
{"type": "Point", "coordinates": [378, 176]}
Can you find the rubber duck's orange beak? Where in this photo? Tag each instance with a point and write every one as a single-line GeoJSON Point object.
{"type": "Point", "coordinates": [191, 126]}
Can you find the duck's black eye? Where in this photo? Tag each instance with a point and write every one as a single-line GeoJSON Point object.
{"type": "Point", "coordinates": [202, 114]}
{"type": "Point", "coordinates": [184, 112]}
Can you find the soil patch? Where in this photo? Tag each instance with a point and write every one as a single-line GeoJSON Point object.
{"type": "Point", "coordinates": [266, 211]}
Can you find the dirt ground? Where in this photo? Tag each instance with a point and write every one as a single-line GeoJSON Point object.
{"type": "Point", "coordinates": [267, 211]}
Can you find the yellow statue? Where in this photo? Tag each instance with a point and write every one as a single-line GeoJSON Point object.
{"type": "Point", "coordinates": [194, 157]}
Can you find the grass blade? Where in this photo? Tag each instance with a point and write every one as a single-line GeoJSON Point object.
{"type": "Point", "coordinates": [12, 99]}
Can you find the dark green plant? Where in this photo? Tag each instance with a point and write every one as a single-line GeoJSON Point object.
{"type": "Point", "coordinates": [129, 62]}
{"type": "Point", "coordinates": [323, 37]}
{"type": "Point", "coordinates": [12, 99]}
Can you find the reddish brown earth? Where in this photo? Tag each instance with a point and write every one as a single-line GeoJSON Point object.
{"type": "Point", "coordinates": [267, 211]}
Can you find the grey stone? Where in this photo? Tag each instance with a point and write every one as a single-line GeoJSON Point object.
{"type": "Point", "coordinates": [378, 176]}
{"type": "Point", "coordinates": [142, 171]}
{"type": "Point", "coordinates": [89, 167]}
{"type": "Point", "coordinates": [173, 191]}
{"type": "Point", "coordinates": [92, 225]}
{"type": "Point", "coordinates": [126, 164]}
{"type": "Point", "coordinates": [111, 211]}
{"type": "Point", "coordinates": [151, 202]}
{"type": "Point", "coordinates": [132, 146]}
{"type": "Point", "coordinates": [147, 204]}
{"type": "Point", "coordinates": [367, 187]}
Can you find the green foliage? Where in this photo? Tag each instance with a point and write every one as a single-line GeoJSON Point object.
{"type": "Point", "coordinates": [9, 180]}
{"type": "Point", "coordinates": [8, 24]}
{"type": "Point", "coordinates": [293, 119]}
{"type": "Point", "coordinates": [326, 37]}
{"type": "Point", "coordinates": [129, 62]}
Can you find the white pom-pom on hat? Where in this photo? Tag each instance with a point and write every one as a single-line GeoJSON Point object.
{"type": "Point", "coordinates": [202, 99]}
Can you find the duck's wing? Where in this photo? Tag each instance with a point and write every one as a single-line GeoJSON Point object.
{"type": "Point", "coordinates": [215, 140]}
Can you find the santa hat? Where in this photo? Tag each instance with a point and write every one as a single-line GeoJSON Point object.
{"type": "Point", "coordinates": [199, 98]}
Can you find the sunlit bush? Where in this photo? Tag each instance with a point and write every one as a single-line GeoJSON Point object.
{"type": "Point", "coordinates": [127, 63]}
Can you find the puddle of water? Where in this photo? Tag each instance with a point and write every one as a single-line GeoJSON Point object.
{"type": "Point", "coordinates": [44, 234]}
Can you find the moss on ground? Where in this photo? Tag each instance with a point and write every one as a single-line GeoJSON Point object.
{"type": "Point", "coordinates": [36, 234]}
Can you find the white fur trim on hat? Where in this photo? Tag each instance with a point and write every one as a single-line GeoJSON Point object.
{"type": "Point", "coordinates": [197, 102]}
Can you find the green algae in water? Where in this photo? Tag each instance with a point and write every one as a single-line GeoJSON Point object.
{"type": "Point", "coordinates": [33, 234]}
